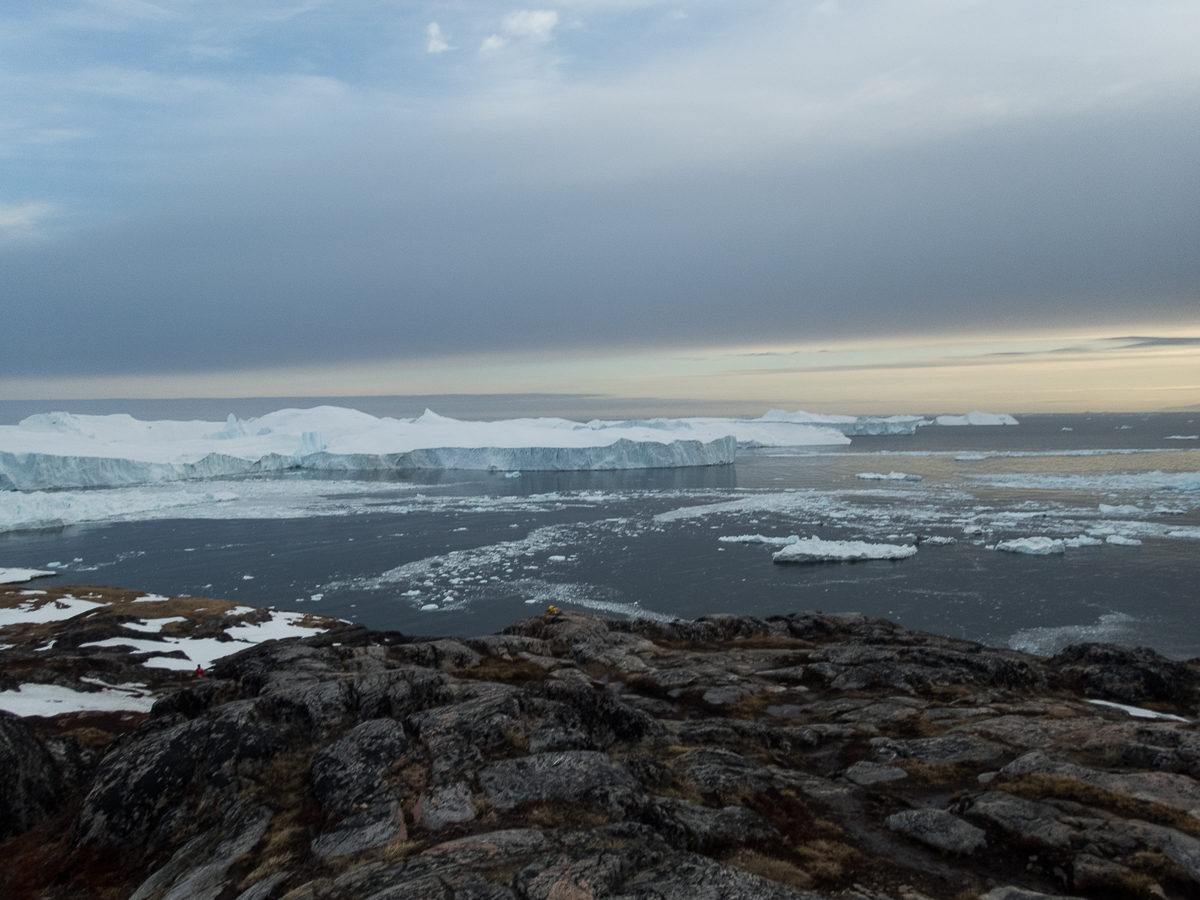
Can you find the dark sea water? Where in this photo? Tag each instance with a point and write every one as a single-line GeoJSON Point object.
{"type": "Point", "coordinates": [460, 553]}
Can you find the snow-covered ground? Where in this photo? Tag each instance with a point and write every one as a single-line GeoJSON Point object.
{"type": "Point", "coordinates": [54, 699]}
{"type": "Point", "coordinates": [18, 576]}
{"type": "Point", "coordinates": [157, 629]}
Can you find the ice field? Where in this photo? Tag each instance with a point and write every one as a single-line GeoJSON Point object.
{"type": "Point", "coordinates": [1033, 535]}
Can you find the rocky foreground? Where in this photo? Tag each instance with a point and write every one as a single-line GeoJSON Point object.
{"type": "Point", "coordinates": [574, 757]}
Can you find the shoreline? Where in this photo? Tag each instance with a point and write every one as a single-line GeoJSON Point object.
{"type": "Point", "coordinates": [797, 756]}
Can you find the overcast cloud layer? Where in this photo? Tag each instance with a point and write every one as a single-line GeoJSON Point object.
{"type": "Point", "coordinates": [223, 185]}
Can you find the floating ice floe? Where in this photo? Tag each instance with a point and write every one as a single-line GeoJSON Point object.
{"type": "Point", "coordinates": [938, 539]}
{"type": "Point", "coordinates": [17, 576]}
{"type": "Point", "coordinates": [1034, 546]}
{"type": "Point", "coordinates": [814, 549]}
{"type": "Point", "coordinates": [1182, 437]}
{"type": "Point", "coordinates": [890, 476]}
{"type": "Point", "coordinates": [1121, 541]}
{"type": "Point", "coordinates": [1083, 540]}
{"type": "Point", "coordinates": [758, 539]}
{"type": "Point", "coordinates": [977, 418]}
{"type": "Point", "coordinates": [1124, 509]}
{"type": "Point", "coordinates": [1131, 481]}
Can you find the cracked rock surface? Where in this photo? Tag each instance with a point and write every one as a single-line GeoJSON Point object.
{"type": "Point", "coordinates": [575, 757]}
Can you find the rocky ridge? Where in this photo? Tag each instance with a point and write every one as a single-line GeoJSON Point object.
{"type": "Point", "coordinates": [573, 756]}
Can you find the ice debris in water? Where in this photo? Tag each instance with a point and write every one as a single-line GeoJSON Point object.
{"type": "Point", "coordinates": [890, 476]}
{"type": "Point", "coordinates": [758, 539]}
{"type": "Point", "coordinates": [814, 549]}
{"type": "Point", "coordinates": [1125, 509]}
{"type": "Point", "coordinates": [1082, 541]}
{"type": "Point", "coordinates": [1034, 546]}
{"type": "Point", "coordinates": [1121, 541]}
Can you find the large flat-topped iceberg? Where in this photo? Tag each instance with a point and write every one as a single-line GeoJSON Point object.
{"type": "Point", "coordinates": [64, 450]}
{"type": "Point", "coordinates": [977, 418]}
{"type": "Point", "coordinates": [850, 425]}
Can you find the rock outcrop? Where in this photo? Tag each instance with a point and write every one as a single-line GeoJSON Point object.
{"type": "Point", "coordinates": [574, 757]}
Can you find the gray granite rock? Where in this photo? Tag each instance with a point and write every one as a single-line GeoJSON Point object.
{"type": "Point", "coordinates": [1033, 823]}
{"type": "Point", "coordinates": [577, 776]}
{"type": "Point", "coordinates": [939, 829]}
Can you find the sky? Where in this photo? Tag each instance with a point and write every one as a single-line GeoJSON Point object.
{"type": "Point", "coordinates": [855, 206]}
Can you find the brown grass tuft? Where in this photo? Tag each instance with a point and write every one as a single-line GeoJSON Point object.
{"type": "Point", "coordinates": [771, 869]}
{"type": "Point", "coordinates": [827, 861]}
{"type": "Point", "coordinates": [1062, 787]}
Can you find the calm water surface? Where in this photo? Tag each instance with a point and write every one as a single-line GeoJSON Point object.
{"type": "Point", "coordinates": [467, 552]}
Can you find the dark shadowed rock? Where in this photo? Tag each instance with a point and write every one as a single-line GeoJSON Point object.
{"type": "Point", "coordinates": [139, 782]}
{"type": "Point", "coordinates": [704, 828]}
{"type": "Point", "coordinates": [30, 787]}
{"type": "Point", "coordinates": [1012, 892]}
{"type": "Point", "coordinates": [1125, 674]}
{"type": "Point", "coordinates": [199, 870]}
{"type": "Point", "coordinates": [694, 877]}
{"type": "Point", "coordinates": [576, 758]}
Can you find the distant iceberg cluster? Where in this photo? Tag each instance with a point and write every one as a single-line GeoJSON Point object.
{"type": "Point", "coordinates": [63, 450]}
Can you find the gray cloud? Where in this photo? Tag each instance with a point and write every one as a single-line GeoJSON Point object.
{"type": "Point", "coordinates": [766, 176]}
{"type": "Point", "coordinates": [1053, 221]}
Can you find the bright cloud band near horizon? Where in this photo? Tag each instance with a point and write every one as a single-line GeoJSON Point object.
{"type": "Point", "coordinates": [1024, 373]}
{"type": "Point", "coordinates": [865, 205]}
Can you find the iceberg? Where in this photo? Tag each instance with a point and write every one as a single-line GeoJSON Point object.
{"type": "Point", "coordinates": [1033, 546]}
{"type": "Point", "coordinates": [977, 418]}
{"type": "Point", "coordinates": [814, 549]}
{"type": "Point", "coordinates": [1121, 541]}
{"type": "Point", "coordinates": [850, 425]}
{"type": "Point", "coordinates": [60, 450]}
